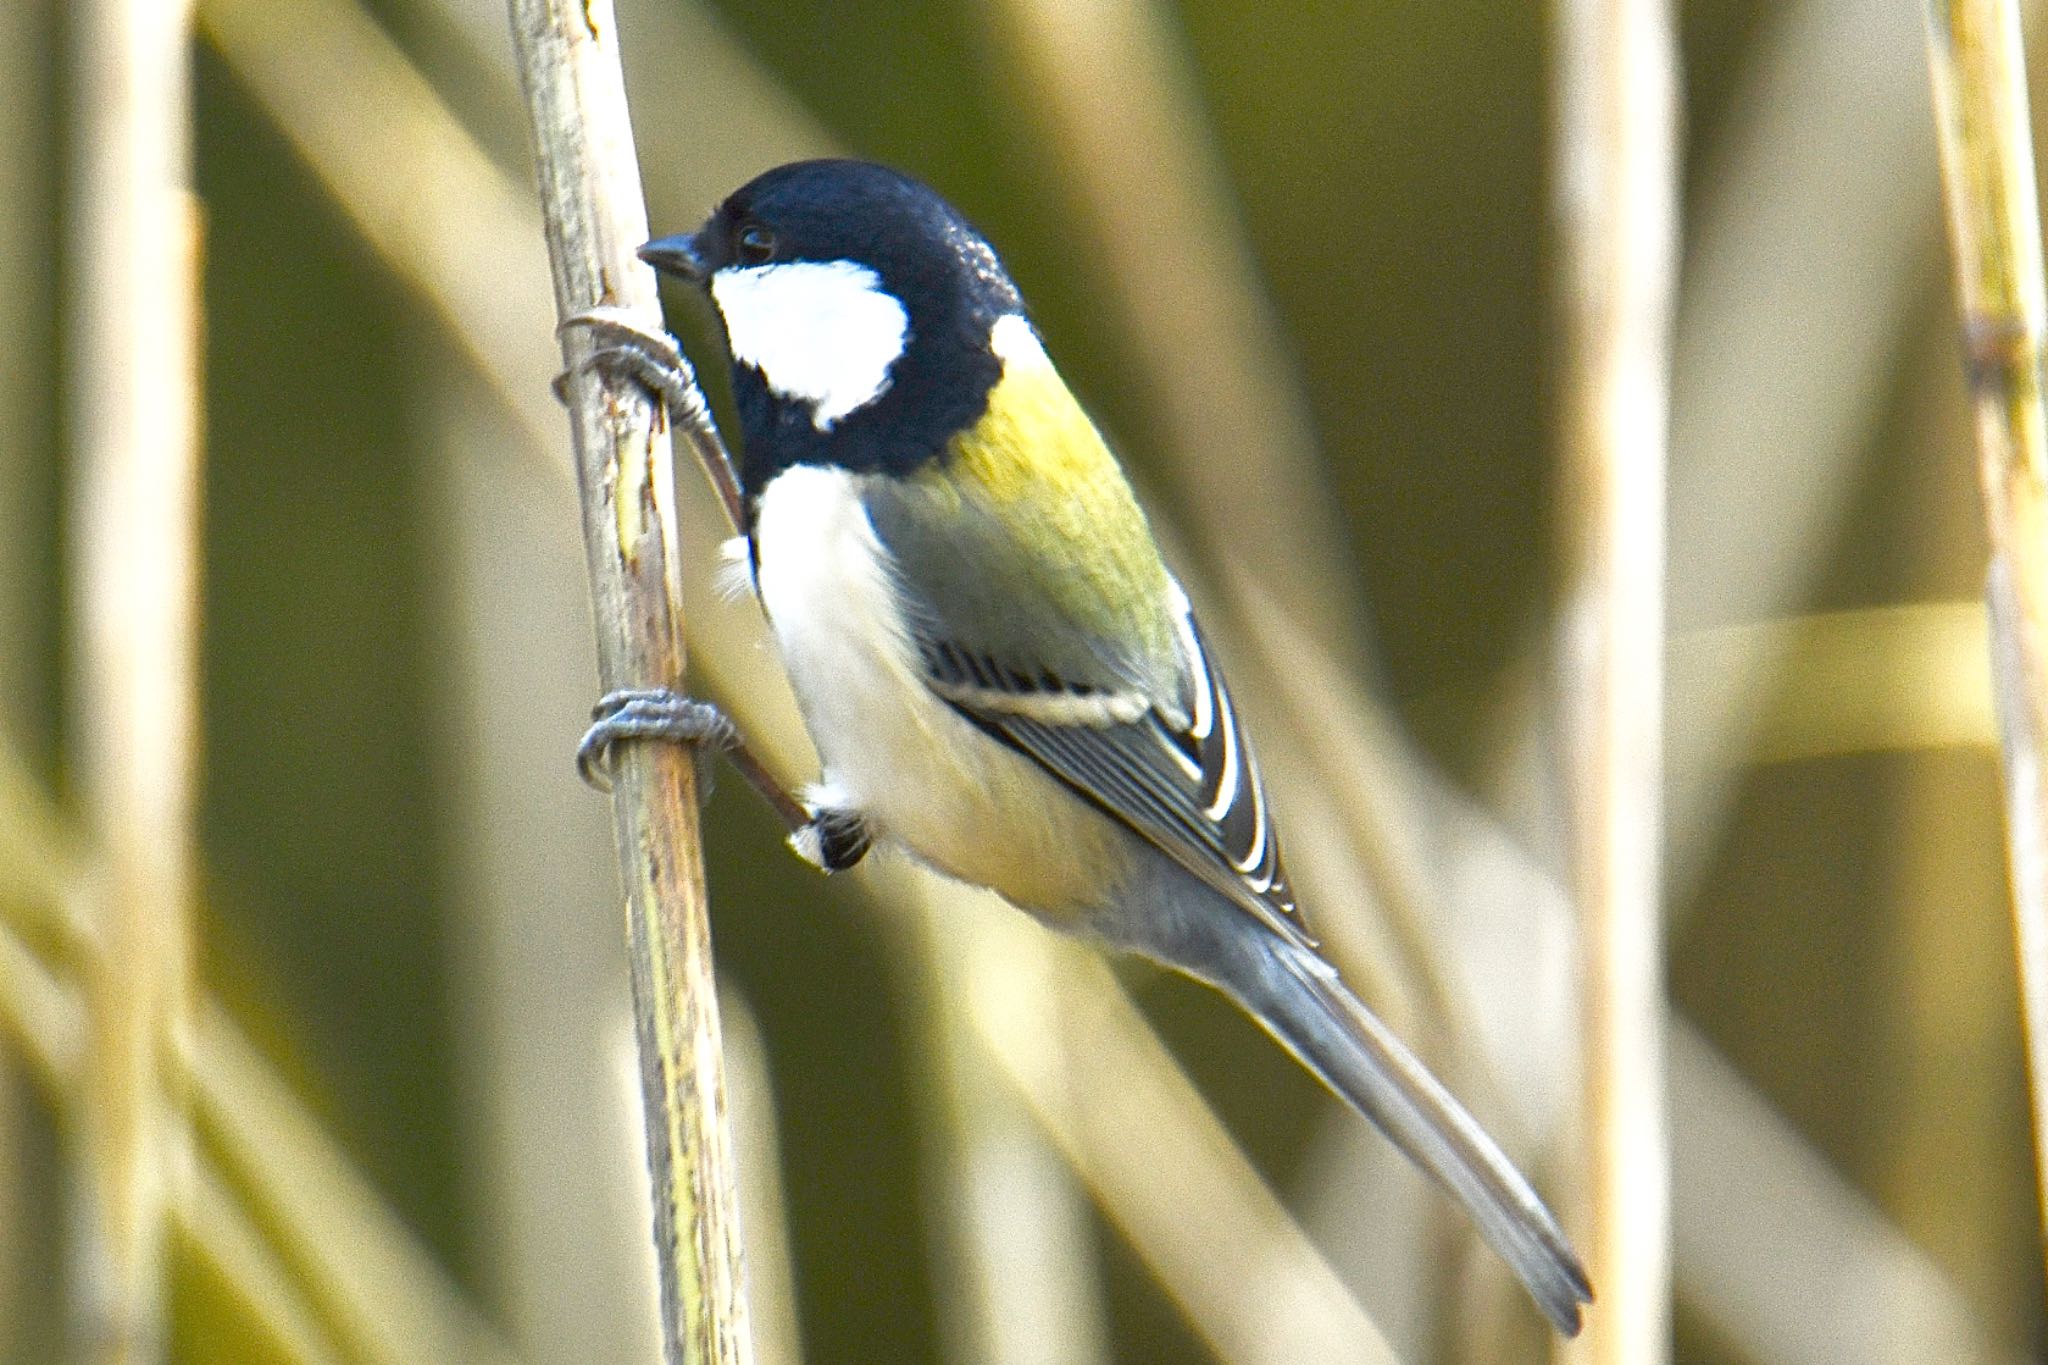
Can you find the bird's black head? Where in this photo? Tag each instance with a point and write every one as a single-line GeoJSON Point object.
{"type": "Point", "coordinates": [858, 306]}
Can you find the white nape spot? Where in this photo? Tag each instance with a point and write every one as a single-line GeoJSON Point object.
{"type": "Point", "coordinates": [1015, 343]}
{"type": "Point", "coordinates": [820, 332]}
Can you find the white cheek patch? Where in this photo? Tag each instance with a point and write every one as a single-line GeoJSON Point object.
{"type": "Point", "coordinates": [821, 332]}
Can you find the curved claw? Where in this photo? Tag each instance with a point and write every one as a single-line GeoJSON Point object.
{"type": "Point", "coordinates": [629, 348]}
{"type": "Point", "coordinates": [593, 760]}
{"type": "Point", "coordinates": [638, 713]}
{"type": "Point", "coordinates": [622, 327]}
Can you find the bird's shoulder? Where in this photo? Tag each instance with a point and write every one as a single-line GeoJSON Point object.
{"type": "Point", "coordinates": [1024, 544]}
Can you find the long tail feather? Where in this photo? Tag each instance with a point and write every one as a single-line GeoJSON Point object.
{"type": "Point", "coordinates": [1301, 1001]}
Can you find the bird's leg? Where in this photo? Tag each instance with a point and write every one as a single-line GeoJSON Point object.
{"type": "Point", "coordinates": [654, 361]}
{"type": "Point", "coordinates": [830, 838]}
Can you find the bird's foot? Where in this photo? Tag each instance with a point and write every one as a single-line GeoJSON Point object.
{"type": "Point", "coordinates": [638, 713]}
{"type": "Point", "coordinates": [828, 836]}
{"type": "Point", "coordinates": [647, 357]}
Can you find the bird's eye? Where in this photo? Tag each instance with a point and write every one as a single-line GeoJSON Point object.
{"type": "Point", "coordinates": [757, 245]}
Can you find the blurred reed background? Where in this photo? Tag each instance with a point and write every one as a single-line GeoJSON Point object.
{"type": "Point", "coordinates": [1307, 265]}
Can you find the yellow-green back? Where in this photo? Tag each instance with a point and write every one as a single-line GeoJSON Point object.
{"type": "Point", "coordinates": [1025, 544]}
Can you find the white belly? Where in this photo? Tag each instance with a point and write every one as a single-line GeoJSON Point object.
{"type": "Point", "coordinates": [920, 773]}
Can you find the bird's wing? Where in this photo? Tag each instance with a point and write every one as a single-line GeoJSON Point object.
{"type": "Point", "coordinates": [1182, 778]}
{"type": "Point", "coordinates": [1101, 676]}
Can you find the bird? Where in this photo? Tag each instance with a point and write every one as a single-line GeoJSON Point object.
{"type": "Point", "coordinates": [1000, 674]}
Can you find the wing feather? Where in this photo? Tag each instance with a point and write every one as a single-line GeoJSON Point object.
{"type": "Point", "coordinates": [1183, 777]}
{"type": "Point", "coordinates": [1098, 672]}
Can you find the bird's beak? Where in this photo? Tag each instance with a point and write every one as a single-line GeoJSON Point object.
{"type": "Point", "coordinates": [677, 256]}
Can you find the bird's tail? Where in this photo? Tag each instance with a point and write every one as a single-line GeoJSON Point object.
{"type": "Point", "coordinates": [1301, 1001]}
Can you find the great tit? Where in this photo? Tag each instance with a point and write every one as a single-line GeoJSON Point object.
{"type": "Point", "coordinates": [1000, 674]}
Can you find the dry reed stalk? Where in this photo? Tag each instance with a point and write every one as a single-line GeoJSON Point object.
{"type": "Point", "coordinates": [135, 422]}
{"type": "Point", "coordinates": [281, 51]}
{"type": "Point", "coordinates": [322, 1270]}
{"type": "Point", "coordinates": [1616, 177]}
{"type": "Point", "coordinates": [1978, 66]}
{"type": "Point", "coordinates": [595, 218]}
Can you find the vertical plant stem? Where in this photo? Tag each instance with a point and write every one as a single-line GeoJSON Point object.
{"type": "Point", "coordinates": [135, 427]}
{"type": "Point", "coordinates": [1616, 179]}
{"type": "Point", "coordinates": [595, 217]}
{"type": "Point", "coordinates": [1987, 168]}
